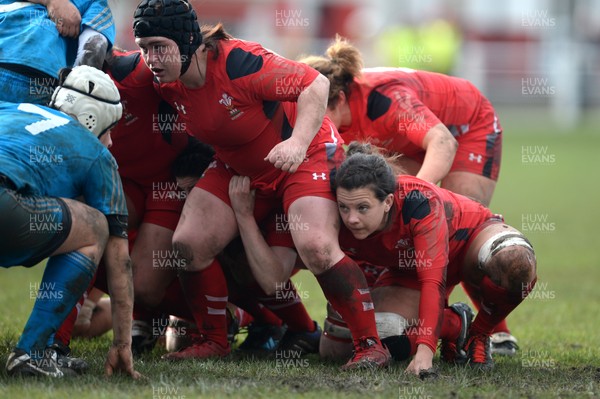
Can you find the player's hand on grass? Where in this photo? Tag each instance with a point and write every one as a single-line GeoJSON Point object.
{"type": "Point", "coordinates": [120, 359]}
{"type": "Point", "coordinates": [422, 361]}
{"type": "Point", "coordinates": [66, 17]}
{"type": "Point", "coordinates": [241, 196]}
{"type": "Point", "coordinates": [287, 155]}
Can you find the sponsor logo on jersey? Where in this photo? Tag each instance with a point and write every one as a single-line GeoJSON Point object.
{"type": "Point", "coordinates": [227, 101]}
{"type": "Point", "coordinates": [317, 176]}
{"type": "Point", "coordinates": [180, 108]}
{"type": "Point", "coordinates": [475, 157]}
{"type": "Point", "coordinates": [404, 243]}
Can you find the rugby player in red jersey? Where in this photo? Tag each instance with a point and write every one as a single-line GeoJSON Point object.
{"type": "Point", "coordinates": [145, 143]}
{"type": "Point", "coordinates": [430, 239]}
{"type": "Point", "coordinates": [442, 123]}
{"type": "Point", "coordinates": [445, 128]}
{"type": "Point", "coordinates": [263, 114]}
{"type": "Point", "coordinates": [258, 265]}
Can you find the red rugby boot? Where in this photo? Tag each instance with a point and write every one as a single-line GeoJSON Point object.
{"type": "Point", "coordinates": [369, 354]}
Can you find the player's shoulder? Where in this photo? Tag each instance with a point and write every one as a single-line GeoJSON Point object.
{"type": "Point", "coordinates": [242, 58]}
{"type": "Point", "coordinates": [25, 113]}
{"type": "Point", "coordinates": [416, 197]}
{"type": "Point", "coordinates": [128, 70]}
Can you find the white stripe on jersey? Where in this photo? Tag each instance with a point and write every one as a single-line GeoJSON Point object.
{"type": "Point", "coordinates": [96, 22]}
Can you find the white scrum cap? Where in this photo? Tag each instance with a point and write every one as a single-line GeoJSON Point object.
{"type": "Point", "coordinates": [91, 96]}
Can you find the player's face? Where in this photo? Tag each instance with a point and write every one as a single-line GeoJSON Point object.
{"type": "Point", "coordinates": [162, 57]}
{"type": "Point", "coordinates": [106, 140]}
{"type": "Point", "coordinates": [362, 213]}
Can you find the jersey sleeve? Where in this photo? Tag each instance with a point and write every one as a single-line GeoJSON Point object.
{"type": "Point", "coordinates": [97, 15]}
{"type": "Point", "coordinates": [405, 114]}
{"type": "Point", "coordinates": [266, 75]}
{"type": "Point", "coordinates": [103, 189]}
{"type": "Point", "coordinates": [424, 212]}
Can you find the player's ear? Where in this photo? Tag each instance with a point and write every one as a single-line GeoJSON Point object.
{"type": "Point", "coordinates": [389, 202]}
{"type": "Point", "coordinates": [62, 75]}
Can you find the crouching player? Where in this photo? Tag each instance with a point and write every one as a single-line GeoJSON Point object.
{"type": "Point", "coordinates": [47, 160]}
{"type": "Point", "coordinates": [431, 239]}
{"type": "Point", "coordinates": [257, 270]}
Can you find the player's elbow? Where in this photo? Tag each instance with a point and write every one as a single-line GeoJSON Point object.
{"type": "Point", "coordinates": [445, 139]}
{"type": "Point", "coordinates": [318, 90]}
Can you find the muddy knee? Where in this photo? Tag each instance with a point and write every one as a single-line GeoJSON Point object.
{"type": "Point", "coordinates": [183, 250]}
{"type": "Point", "coordinates": [509, 261]}
{"type": "Point", "coordinates": [315, 255]}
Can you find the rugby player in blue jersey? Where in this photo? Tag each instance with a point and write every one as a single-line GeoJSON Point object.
{"type": "Point", "coordinates": [61, 198]}
{"type": "Point", "coordinates": [37, 40]}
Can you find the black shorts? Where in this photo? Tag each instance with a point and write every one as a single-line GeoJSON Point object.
{"type": "Point", "coordinates": [31, 227]}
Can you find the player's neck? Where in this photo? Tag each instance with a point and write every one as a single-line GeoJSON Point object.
{"type": "Point", "coordinates": [195, 76]}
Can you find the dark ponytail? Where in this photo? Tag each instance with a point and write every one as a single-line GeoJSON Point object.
{"type": "Point", "coordinates": [365, 167]}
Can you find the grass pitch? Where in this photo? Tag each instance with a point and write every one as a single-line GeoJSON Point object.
{"type": "Point", "coordinates": [548, 188]}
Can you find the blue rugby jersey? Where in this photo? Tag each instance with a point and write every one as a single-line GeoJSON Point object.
{"type": "Point", "coordinates": [28, 37]}
{"type": "Point", "coordinates": [47, 153]}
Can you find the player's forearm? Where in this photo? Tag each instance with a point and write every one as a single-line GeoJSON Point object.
{"type": "Point", "coordinates": [92, 47]}
{"type": "Point", "coordinates": [312, 105]}
{"type": "Point", "coordinates": [440, 149]}
{"type": "Point", "coordinates": [431, 308]}
{"type": "Point", "coordinates": [120, 286]}
{"type": "Point", "coordinates": [264, 264]}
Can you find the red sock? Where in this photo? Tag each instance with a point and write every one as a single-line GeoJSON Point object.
{"type": "Point", "coordinates": [246, 299]}
{"type": "Point", "coordinates": [261, 313]}
{"type": "Point", "coordinates": [345, 287]}
{"type": "Point", "coordinates": [288, 306]}
{"type": "Point", "coordinates": [476, 300]}
{"type": "Point", "coordinates": [63, 334]}
{"type": "Point", "coordinates": [144, 314]}
{"type": "Point", "coordinates": [244, 318]}
{"type": "Point", "coordinates": [174, 302]}
{"type": "Point", "coordinates": [206, 294]}
{"type": "Point", "coordinates": [497, 303]}
{"type": "Point", "coordinates": [501, 327]}
{"type": "Point", "coordinates": [450, 325]}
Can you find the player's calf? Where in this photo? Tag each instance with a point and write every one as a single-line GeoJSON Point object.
{"type": "Point", "coordinates": [509, 264]}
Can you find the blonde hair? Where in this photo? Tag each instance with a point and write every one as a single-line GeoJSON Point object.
{"type": "Point", "coordinates": [341, 64]}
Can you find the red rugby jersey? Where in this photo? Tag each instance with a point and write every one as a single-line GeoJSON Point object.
{"type": "Point", "coordinates": [246, 105]}
{"type": "Point", "coordinates": [150, 134]}
{"type": "Point", "coordinates": [395, 107]}
{"type": "Point", "coordinates": [430, 226]}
